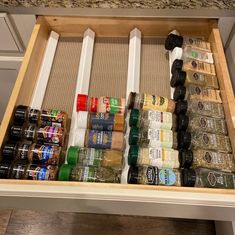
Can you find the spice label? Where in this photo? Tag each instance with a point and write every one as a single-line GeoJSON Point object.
{"type": "Point", "coordinates": [220, 180]}
{"type": "Point", "coordinates": [23, 151]}
{"type": "Point", "coordinates": [167, 177]}
{"type": "Point", "coordinates": [52, 117]}
{"type": "Point", "coordinates": [100, 139]}
{"type": "Point", "coordinates": [30, 132]}
{"type": "Point", "coordinates": [18, 171]}
{"type": "Point", "coordinates": [198, 43]}
{"type": "Point", "coordinates": [102, 121]}
{"type": "Point", "coordinates": [156, 157]}
{"type": "Point", "coordinates": [198, 77]}
{"type": "Point", "coordinates": [41, 172]}
{"type": "Point", "coordinates": [87, 174]}
{"type": "Point", "coordinates": [155, 102]}
{"type": "Point", "coordinates": [151, 175]}
{"type": "Point", "coordinates": [160, 138]}
{"type": "Point", "coordinates": [94, 157]}
{"type": "Point", "coordinates": [94, 104]}
{"type": "Point", "coordinates": [34, 115]}
{"type": "Point", "coordinates": [213, 158]}
{"type": "Point", "coordinates": [160, 119]}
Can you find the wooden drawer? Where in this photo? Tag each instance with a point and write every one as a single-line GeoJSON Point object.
{"type": "Point", "coordinates": [109, 77]}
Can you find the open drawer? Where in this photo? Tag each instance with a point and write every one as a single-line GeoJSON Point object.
{"type": "Point", "coordinates": [109, 77]}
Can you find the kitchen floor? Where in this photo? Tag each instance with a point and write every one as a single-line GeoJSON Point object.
{"type": "Point", "coordinates": [33, 222]}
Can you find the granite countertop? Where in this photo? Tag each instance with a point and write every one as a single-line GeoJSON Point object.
{"type": "Point", "coordinates": [141, 4]}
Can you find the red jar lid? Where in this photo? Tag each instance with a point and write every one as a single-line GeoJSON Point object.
{"type": "Point", "coordinates": [82, 102]}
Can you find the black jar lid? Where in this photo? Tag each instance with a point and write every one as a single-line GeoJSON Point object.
{"type": "Point", "coordinates": [188, 177]}
{"type": "Point", "coordinates": [134, 136]}
{"type": "Point", "coordinates": [133, 175]}
{"type": "Point", "coordinates": [21, 114]}
{"type": "Point", "coordinates": [179, 93]}
{"type": "Point", "coordinates": [134, 117]}
{"type": "Point", "coordinates": [184, 140]}
{"type": "Point", "coordinates": [178, 78]}
{"type": "Point", "coordinates": [183, 121]}
{"type": "Point", "coordinates": [16, 132]}
{"type": "Point", "coordinates": [9, 150]}
{"type": "Point", "coordinates": [131, 100]}
{"type": "Point", "coordinates": [185, 158]}
{"type": "Point", "coordinates": [181, 107]}
{"type": "Point", "coordinates": [5, 168]}
{"type": "Point", "coordinates": [133, 155]}
{"type": "Point", "coordinates": [176, 65]}
{"type": "Point", "coordinates": [173, 41]}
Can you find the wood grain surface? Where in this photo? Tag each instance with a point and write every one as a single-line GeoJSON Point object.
{"type": "Point", "coordinates": [4, 220]}
{"type": "Point", "coordinates": [34, 222]}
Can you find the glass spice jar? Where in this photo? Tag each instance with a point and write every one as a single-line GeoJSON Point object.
{"type": "Point", "coordinates": [158, 157]}
{"type": "Point", "coordinates": [204, 140]}
{"type": "Point", "coordinates": [194, 122]}
{"type": "Point", "coordinates": [202, 158]}
{"type": "Point", "coordinates": [205, 108]}
{"type": "Point", "coordinates": [88, 174]}
{"type": "Point", "coordinates": [150, 102]}
{"type": "Point", "coordinates": [94, 157]}
{"type": "Point", "coordinates": [146, 137]}
{"type": "Point", "coordinates": [207, 178]}
{"type": "Point", "coordinates": [152, 119]}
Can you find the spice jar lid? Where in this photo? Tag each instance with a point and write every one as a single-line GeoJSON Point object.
{"type": "Point", "coordinates": [82, 117]}
{"type": "Point", "coordinates": [134, 136]}
{"type": "Point", "coordinates": [82, 102]}
{"type": "Point", "coordinates": [5, 168]}
{"type": "Point", "coordinates": [173, 41]}
{"type": "Point", "coordinates": [179, 93]}
{"type": "Point", "coordinates": [131, 100]}
{"type": "Point", "coordinates": [21, 114]}
{"type": "Point", "coordinates": [16, 132]}
{"type": "Point", "coordinates": [188, 177]}
{"type": "Point", "coordinates": [64, 172]}
{"type": "Point", "coordinates": [73, 155]}
{"type": "Point", "coordinates": [181, 107]}
{"type": "Point", "coordinates": [134, 117]}
{"type": "Point", "coordinates": [9, 150]}
{"type": "Point", "coordinates": [79, 138]}
{"type": "Point", "coordinates": [133, 155]}
{"type": "Point", "coordinates": [178, 78]}
{"type": "Point", "coordinates": [176, 65]}
{"type": "Point", "coordinates": [176, 53]}
{"type": "Point", "coordinates": [184, 140]}
{"type": "Point", "coordinates": [183, 122]}
{"type": "Point", "coordinates": [132, 177]}
{"type": "Point", "coordinates": [185, 158]}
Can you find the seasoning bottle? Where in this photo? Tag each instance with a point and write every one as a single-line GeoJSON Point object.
{"type": "Point", "coordinates": [101, 121]}
{"type": "Point", "coordinates": [102, 104]}
{"type": "Point", "coordinates": [207, 159]}
{"type": "Point", "coordinates": [153, 176]}
{"type": "Point", "coordinates": [194, 122]}
{"type": "Point", "coordinates": [99, 139]}
{"type": "Point", "coordinates": [182, 78]}
{"type": "Point", "coordinates": [158, 157]}
{"type": "Point", "coordinates": [204, 140]}
{"type": "Point", "coordinates": [24, 132]}
{"type": "Point", "coordinates": [174, 40]}
{"type": "Point", "coordinates": [153, 138]}
{"type": "Point", "coordinates": [193, 92]}
{"type": "Point", "coordinates": [205, 108]}
{"type": "Point", "coordinates": [18, 170]}
{"type": "Point", "coordinates": [88, 174]}
{"type": "Point", "coordinates": [39, 172]}
{"type": "Point", "coordinates": [94, 157]}
{"type": "Point", "coordinates": [150, 102]}
{"type": "Point", "coordinates": [206, 178]}
{"type": "Point", "coordinates": [152, 119]}
{"type": "Point", "coordinates": [5, 169]}
{"type": "Point", "coordinates": [194, 66]}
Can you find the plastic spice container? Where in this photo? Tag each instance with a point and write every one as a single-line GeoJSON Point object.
{"type": "Point", "coordinates": [150, 102]}
{"type": "Point", "coordinates": [159, 157]}
{"type": "Point", "coordinates": [208, 159]}
{"type": "Point", "coordinates": [182, 78]}
{"type": "Point", "coordinates": [101, 121]}
{"type": "Point", "coordinates": [88, 174]}
{"type": "Point", "coordinates": [207, 178]}
{"type": "Point", "coordinates": [99, 139]}
{"type": "Point", "coordinates": [204, 140]}
{"type": "Point", "coordinates": [193, 92]}
{"type": "Point", "coordinates": [174, 40]}
{"type": "Point", "coordinates": [94, 157]}
{"type": "Point", "coordinates": [5, 169]}
{"type": "Point", "coordinates": [206, 108]}
{"type": "Point", "coordinates": [152, 119]}
{"type": "Point", "coordinates": [102, 104]}
{"type": "Point", "coordinates": [153, 138]}
{"type": "Point", "coordinates": [195, 122]}
{"type": "Point", "coordinates": [153, 176]}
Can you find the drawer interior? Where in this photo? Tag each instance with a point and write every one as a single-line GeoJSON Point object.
{"type": "Point", "coordinates": [110, 64]}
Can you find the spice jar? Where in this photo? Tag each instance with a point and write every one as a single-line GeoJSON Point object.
{"type": "Point", "coordinates": [25, 132]}
{"type": "Point", "coordinates": [193, 92]}
{"type": "Point", "coordinates": [152, 119]}
{"type": "Point", "coordinates": [153, 176]}
{"type": "Point", "coordinates": [193, 65]}
{"type": "Point", "coordinates": [94, 157]}
{"type": "Point", "coordinates": [18, 170]}
{"type": "Point", "coordinates": [159, 157]}
{"type": "Point", "coordinates": [206, 178]}
{"type": "Point", "coordinates": [5, 169]}
{"type": "Point", "coordinates": [205, 108]}
{"type": "Point", "coordinates": [204, 140]}
{"type": "Point", "coordinates": [9, 151]}
{"type": "Point", "coordinates": [99, 139]}
{"type": "Point", "coordinates": [194, 122]}
{"type": "Point", "coordinates": [153, 138]}
{"type": "Point", "coordinates": [88, 174]}
{"type": "Point", "coordinates": [208, 159]}
{"type": "Point", "coordinates": [174, 40]}
{"type": "Point", "coordinates": [101, 121]}
{"type": "Point", "coordinates": [150, 102]}
{"type": "Point", "coordinates": [102, 104]}
{"type": "Point", "coordinates": [182, 78]}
